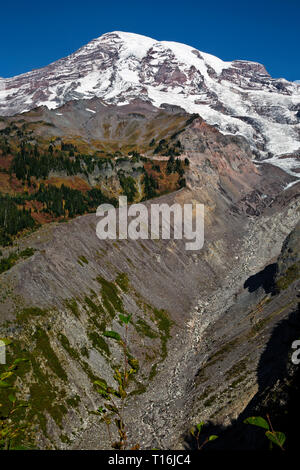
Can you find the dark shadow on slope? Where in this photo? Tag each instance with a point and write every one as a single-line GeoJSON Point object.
{"type": "Point", "coordinates": [278, 395]}
{"type": "Point", "coordinates": [264, 279]}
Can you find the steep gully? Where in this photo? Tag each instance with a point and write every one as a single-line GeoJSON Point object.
{"type": "Point", "coordinates": [214, 318]}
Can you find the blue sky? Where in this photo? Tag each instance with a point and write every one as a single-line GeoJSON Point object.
{"type": "Point", "coordinates": [35, 33]}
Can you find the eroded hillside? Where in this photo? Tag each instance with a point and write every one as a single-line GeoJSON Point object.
{"type": "Point", "coordinates": [193, 321]}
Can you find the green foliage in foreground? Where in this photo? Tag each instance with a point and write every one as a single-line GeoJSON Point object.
{"type": "Point", "coordinates": [275, 437]}
{"type": "Point", "coordinates": [196, 433]}
{"type": "Point", "coordinates": [115, 399]}
{"type": "Point", "coordinates": [9, 430]}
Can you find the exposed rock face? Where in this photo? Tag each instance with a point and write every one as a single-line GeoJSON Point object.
{"type": "Point", "coordinates": [238, 97]}
{"type": "Point", "coordinates": [135, 124]}
{"type": "Point", "coordinates": [276, 391]}
{"type": "Point", "coordinates": [186, 306]}
{"type": "Point", "coordinates": [289, 260]}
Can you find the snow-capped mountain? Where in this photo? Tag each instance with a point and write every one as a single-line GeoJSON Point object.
{"type": "Point", "coordinates": [238, 97]}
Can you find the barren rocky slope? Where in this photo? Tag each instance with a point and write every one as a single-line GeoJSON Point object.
{"type": "Point", "coordinates": [193, 317]}
{"type": "Point", "coordinates": [277, 373]}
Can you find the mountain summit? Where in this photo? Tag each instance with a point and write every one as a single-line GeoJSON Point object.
{"type": "Point", "coordinates": [238, 97]}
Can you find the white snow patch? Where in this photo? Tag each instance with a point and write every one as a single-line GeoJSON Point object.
{"type": "Point", "coordinates": [286, 164]}
{"type": "Point", "coordinates": [291, 184]}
